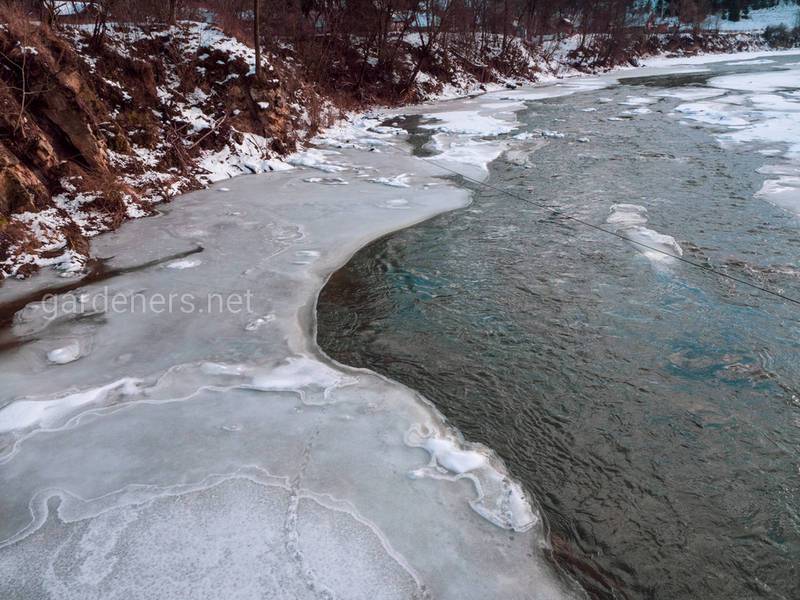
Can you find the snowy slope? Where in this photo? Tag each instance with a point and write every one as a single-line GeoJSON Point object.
{"type": "Point", "coordinates": [785, 13]}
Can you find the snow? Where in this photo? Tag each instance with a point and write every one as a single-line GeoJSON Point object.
{"type": "Point", "coordinates": [469, 122]}
{"type": "Point", "coordinates": [784, 13]}
{"type": "Point", "coordinates": [246, 157]}
{"type": "Point", "coordinates": [759, 82]}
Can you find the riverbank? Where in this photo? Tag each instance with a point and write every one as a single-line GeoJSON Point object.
{"type": "Point", "coordinates": [157, 111]}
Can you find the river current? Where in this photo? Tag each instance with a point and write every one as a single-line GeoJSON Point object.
{"type": "Point", "coordinates": [650, 407]}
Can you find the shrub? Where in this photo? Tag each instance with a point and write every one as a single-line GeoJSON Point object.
{"type": "Point", "coordinates": [780, 36]}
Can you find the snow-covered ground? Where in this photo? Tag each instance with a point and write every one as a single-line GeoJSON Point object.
{"type": "Point", "coordinates": [785, 13]}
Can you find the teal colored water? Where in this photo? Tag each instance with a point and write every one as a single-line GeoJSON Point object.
{"type": "Point", "coordinates": [652, 409]}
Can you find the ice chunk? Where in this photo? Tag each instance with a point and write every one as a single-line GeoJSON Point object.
{"type": "Point", "coordinates": [630, 219]}
{"type": "Point", "coordinates": [711, 113]}
{"type": "Point", "coordinates": [689, 93]}
{"type": "Point", "coordinates": [460, 153]}
{"type": "Point", "coordinates": [448, 455]}
{"type": "Point", "coordinates": [65, 354]}
{"type": "Point", "coordinates": [313, 380]}
{"type": "Point", "coordinates": [326, 180]}
{"type": "Point", "coordinates": [188, 263]}
{"type": "Point", "coordinates": [396, 181]}
{"type": "Point", "coordinates": [316, 159]}
{"type": "Point", "coordinates": [655, 246]}
{"type": "Point", "coordinates": [637, 101]}
{"type": "Point", "coordinates": [626, 215]}
{"type": "Point", "coordinates": [498, 499]}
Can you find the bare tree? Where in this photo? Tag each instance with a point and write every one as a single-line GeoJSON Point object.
{"type": "Point", "coordinates": [257, 35]}
{"type": "Point", "coordinates": [49, 10]}
{"type": "Point", "coordinates": [103, 10]}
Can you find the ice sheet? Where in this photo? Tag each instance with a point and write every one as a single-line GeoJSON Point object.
{"type": "Point", "coordinates": [216, 453]}
{"type": "Point", "coordinates": [759, 82]}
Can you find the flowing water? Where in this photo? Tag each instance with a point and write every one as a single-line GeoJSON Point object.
{"type": "Point", "coordinates": [651, 407]}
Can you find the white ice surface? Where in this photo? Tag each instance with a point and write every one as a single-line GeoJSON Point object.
{"type": "Point", "coordinates": [758, 107]}
{"type": "Point", "coordinates": [760, 81]}
{"type": "Point", "coordinates": [470, 122]}
{"type": "Point", "coordinates": [217, 453]}
{"type": "Point", "coordinates": [671, 62]}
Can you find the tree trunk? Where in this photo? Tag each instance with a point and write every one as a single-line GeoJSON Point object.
{"type": "Point", "coordinates": [257, 35]}
{"type": "Point", "coordinates": [173, 6]}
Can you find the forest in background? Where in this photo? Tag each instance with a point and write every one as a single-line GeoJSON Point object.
{"type": "Point", "coordinates": [326, 35]}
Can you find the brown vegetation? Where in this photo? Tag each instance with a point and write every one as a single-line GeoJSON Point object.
{"type": "Point", "coordinates": [106, 108]}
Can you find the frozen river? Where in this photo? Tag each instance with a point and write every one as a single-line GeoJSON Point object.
{"type": "Point", "coordinates": [170, 429]}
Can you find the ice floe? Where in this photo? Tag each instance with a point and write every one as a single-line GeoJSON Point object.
{"type": "Point", "coordinates": [470, 122]}
{"type": "Point", "coordinates": [754, 61]}
{"type": "Point", "coordinates": [688, 93]}
{"type": "Point", "coordinates": [630, 219]}
{"type": "Point", "coordinates": [638, 101]}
